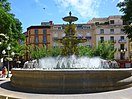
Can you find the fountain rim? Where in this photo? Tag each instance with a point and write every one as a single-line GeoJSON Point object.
{"type": "Point", "coordinates": [75, 70]}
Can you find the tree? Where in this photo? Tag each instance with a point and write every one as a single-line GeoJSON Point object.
{"type": "Point", "coordinates": [38, 53]}
{"type": "Point", "coordinates": [85, 51]}
{"type": "Point", "coordinates": [9, 26]}
{"type": "Point", "coordinates": [126, 8]}
{"type": "Point", "coordinates": [104, 50]}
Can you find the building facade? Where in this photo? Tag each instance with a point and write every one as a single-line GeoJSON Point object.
{"type": "Point", "coordinates": [98, 29]}
{"type": "Point", "coordinates": [82, 31]}
{"type": "Point", "coordinates": [39, 35]}
{"type": "Point", "coordinates": [111, 29]}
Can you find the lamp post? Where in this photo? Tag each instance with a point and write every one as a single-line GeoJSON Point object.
{"type": "Point", "coordinates": [123, 53]}
{"type": "Point", "coordinates": [8, 56]}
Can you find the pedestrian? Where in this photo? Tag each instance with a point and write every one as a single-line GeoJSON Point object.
{"type": "Point", "coordinates": [4, 72]}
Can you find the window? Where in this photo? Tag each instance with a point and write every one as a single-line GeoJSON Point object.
{"type": "Point", "coordinates": [36, 39]}
{"type": "Point", "coordinates": [101, 39]}
{"type": "Point", "coordinates": [122, 56]}
{"type": "Point", "coordinates": [97, 23]}
{"type": "Point", "coordinates": [101, 31]}
{"type": "Point", "coordinates": [112, 22]}
{"type": "Point", "coordinates": [122, 46]}
{"type": "Point", "coordinates": [111, 30]}
{"type": "Point", "coordinates": [29, 33]}
{"type": "Point", "coordinates": [125, 22]}
{"type": "Point", "coordinates": [122, 30]}
{"type": "Point", "coordinates": [44, 39]}
{"type": "Point", "coordinates": [59, 28]}
{"type": "Point", "coordinates": [44, 31]}
{"type": "Point", "coordinates": [122, 37]}
{"type": "Point", "coordinates": [36, 32]}
{"type": "Point", "coordinates": [112, 38]}
{"type": "Point", "coordinates": [86, 27]}
{"type": "Point", "coordinates": [79, 27]}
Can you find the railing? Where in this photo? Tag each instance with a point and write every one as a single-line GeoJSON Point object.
{"type": "Point", "coordinates": [122, 41]}
{"type": "Point", "coordinates": [80, 37]}
{"type": "Point", "coordinates": [88, 37]}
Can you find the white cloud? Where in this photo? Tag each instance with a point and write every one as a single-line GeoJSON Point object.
{"type": "Point", "coordinates": [37, 1]}
{"type": "Point", "coordinates": [120, 0]}
{"type": "Point", "coordinates": [86, 8]}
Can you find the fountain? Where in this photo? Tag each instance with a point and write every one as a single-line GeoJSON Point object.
{"type": "Point", "coordinates": [71, 74]}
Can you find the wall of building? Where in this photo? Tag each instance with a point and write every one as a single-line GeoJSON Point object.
{"type": "Point", "coordinates": [112, 30]}
{"type": "Point", "coordinates": [90, 31]}
{"type": "Point", "coordinates": [40, 38]}
{"type": "Point", "coordinates": [82, 30]}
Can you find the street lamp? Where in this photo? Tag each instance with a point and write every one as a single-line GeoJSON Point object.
{"type": "Point", "coordinates": [8, 57]}
{"type": "Point", "coordinates": [122, 51]}
{"type": "Point", "coordinates": [3, 52]}
{"type": "Point", "coordinates": [8, 49]}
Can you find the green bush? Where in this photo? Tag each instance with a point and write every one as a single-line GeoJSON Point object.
{"type": "Point", "coordinates": [104, 50]}
{"type": "Point", "coordinates": [38, 53]}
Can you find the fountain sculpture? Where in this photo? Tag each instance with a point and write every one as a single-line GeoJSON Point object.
{"type": "Point", "coordinates": [70, 41]}
{"type": "Point", "coordinates": [71, 74]}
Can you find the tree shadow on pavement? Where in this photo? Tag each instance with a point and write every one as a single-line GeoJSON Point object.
{"type": "Point", "coordinates": [7, 85]}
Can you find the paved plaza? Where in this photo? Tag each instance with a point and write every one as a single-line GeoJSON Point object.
{"type": "Point", "coordinates": [9, 92]}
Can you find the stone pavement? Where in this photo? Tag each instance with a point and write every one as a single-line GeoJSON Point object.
{"type": "Point", "coordinates": [9, 92]}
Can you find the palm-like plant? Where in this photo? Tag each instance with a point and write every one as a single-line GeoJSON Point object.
{"type": "Point", "coordinates": [85, 51]}
{"type": "Point", "coordinates": [105, 50]}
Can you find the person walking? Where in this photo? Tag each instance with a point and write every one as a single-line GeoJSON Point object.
{"type": "Point", "coordinates": [4, 72]}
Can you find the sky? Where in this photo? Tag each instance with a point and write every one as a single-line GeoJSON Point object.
{"type": "Point", "coordinates": [33, 12]}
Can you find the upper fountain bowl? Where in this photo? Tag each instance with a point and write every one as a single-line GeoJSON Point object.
{"type": "Point", "coordinates": [70, 18]}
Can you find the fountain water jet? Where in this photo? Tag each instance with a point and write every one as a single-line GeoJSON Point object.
{"type": "Point", "coordinates": [73, 62]}
{"type": "Point", "coordinates": [70, 74]}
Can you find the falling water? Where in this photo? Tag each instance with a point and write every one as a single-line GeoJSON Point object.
{"type": "Point", "coordinates": [73, 62]}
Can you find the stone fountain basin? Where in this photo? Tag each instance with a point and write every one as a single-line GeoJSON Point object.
{"type": "Point", "coordinates": [71, 80]}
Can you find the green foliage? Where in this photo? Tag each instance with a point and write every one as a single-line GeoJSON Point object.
{"type": "Point", "coordinates": [70, 41]}
{"type": "Point", "coordinates": [38, 53]}
{"type": "Point", "coordinates": [10, 26]}
{"type": "Point", "coordinates": [128, 30]}
{"type": "Point", "coordinates": [85, 51]}
{"type": "Point", "coordinates": [126, 8]}
{"type": "Point", "coordinates": [70, 28]}
{"type": "Point", "coordinates": [19, 50]}
{"type": "Point", "coordinates": [54, 52]}
{"type": "Point", "coordinates": [5, 5]}
{"type": "Point", "coordinates": [104, 50]}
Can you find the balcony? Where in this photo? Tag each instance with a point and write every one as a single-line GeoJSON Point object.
{"type": "Point", "coordinates": [80, 37]}
{"type": "Point", "coordinates": [122, 41]}
{"type": "Point", "coordinates": [88, 37]}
